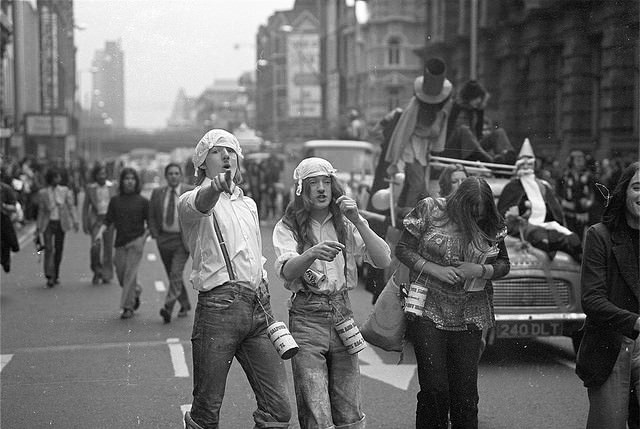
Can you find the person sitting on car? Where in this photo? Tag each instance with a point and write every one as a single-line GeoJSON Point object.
{"type": "Point", "coordinates": [532, 210]}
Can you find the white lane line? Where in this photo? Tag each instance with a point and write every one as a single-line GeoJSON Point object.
{"type": "Point", "coordinates": [180, 368]}
{"type": "Point", "coordinates": [160, 287]}
{"type": "Point", "coordinates": [151, 257]}
{"type": "Point", "coordinates": [4, 360]}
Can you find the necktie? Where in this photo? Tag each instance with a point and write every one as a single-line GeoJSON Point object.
{"type": "Point", "coordinates": [171, 207]}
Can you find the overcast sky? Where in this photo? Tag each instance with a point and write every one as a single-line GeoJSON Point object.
{"type": "Point", "coordinates": [168, 45]}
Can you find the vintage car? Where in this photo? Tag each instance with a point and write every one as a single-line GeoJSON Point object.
{"type": "Point", "coordinates": [355, 161]}
{"type": "Point", "coordinates": [539, 297]}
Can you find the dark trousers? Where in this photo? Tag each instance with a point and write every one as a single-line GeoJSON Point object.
{"type": "Point", "coordinates": [448, 375]}
{"type": "Point", "coordinates": [101, 255]}
{"type": "Point", "coordinates": [174, 256]}
{"type": "Point", "coordinates": [54, 245]}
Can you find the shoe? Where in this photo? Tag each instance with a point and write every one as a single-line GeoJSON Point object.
{"type": "Point", "coordinates": [50, 283]}
{"type": "Point", "coordinates": [183, 313]}
{"type": "Point", "coordinates": [56, 281]}
{"type": "Point", "coordinates": [166, 316]}
{"type": "Point", "coordinates": [95, 280]}
{"type": "Point", "coordinates": [189, 423]}
{"type": "Point", "coordinates": [127, 314]}
{"type": "Point", "coordinates": [106, 281]}
{"type": "Point", "coordinates": [136, 304]}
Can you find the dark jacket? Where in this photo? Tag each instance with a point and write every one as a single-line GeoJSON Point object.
{"type": "Point", "coordinates": [610, 296]}
{"type": "Point", "coordinates": [156, 208]}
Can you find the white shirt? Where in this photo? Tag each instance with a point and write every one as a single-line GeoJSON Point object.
{"type": "Point", "coordinates": [103, 196]}
{"type": "Point", "coordinates": [286, 246]}
{"type": "Point", "coordinates": [237, 216]}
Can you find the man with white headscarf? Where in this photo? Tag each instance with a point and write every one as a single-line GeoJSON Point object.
{"type": "Point", "coordinates": [531, 209]}
{"type": "Point", "coordinates": [220, 227]}
{"type": "Point", "coordinates": [317, 243]}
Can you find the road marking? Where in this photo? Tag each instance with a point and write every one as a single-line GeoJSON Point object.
{"type": "Point", "coordinates": [151, 257]}
{"type": "Point", "coordinates": [160, 287]}
{"type": "Point", "coordinates": [184, 408]}
{"type": "Point", "coordinates": [397, 375]}
{"type": "Point", "coordinates": [180, 368]}
{"type": "Point", "coordinates": [4, 360]}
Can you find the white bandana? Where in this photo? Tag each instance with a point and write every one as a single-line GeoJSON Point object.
{"type": "Point", "coordinates": [215, 137]}
{"type": "Point", "coordinates": [312, 167]}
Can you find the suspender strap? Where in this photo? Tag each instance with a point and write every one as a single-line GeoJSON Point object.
{"type": "Point", "coordinates": [223, 247]}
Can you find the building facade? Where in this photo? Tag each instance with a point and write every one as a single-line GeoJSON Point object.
{"type": "Point", "coordinates": [108, 96]}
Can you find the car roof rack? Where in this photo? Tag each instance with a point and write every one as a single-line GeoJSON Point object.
{"type": "Point", "coordinates": [477, 168]}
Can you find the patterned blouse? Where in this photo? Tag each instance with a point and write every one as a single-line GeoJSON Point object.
{"type": "Point", "coordinates": [429, 234]}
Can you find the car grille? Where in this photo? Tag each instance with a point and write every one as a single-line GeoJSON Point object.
{"type": "Point", "coordinates": [532, 292]}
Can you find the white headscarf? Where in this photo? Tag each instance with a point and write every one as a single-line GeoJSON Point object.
{"type": "Point", "coordinates": [312, 167]}
{"type": "Point", "coordinates": [215, 137]}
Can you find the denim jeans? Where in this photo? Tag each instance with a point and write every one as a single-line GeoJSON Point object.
{"type": "Point", "coordinates": [127, 261]}
{"type": "Point", "coordinates": [326, 377]}
{"type": "Point", "coordinates": [230, 322]}
{"type": "Point", "coordinates": [54, 246]}
{"type": "Point", "coordinates": [609, 403]}
{"type": "Point", "coordinates": [448, 375]}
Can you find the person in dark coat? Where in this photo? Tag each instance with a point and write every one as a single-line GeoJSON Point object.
{"type": "Point", "coordinates": [8, 237]}
{"type": "Point", "coordinates": [608, 360]}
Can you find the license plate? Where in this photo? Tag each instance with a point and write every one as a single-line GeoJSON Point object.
{"type": "Point", "coordinates": [528, 329]}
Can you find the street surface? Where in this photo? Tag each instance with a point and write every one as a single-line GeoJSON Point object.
{"type": "Point", "coordinates": [69, 361]}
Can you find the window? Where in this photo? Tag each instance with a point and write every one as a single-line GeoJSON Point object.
{"type": "Point", "coordinates": [394, 98]}
{"type": "Point", "coordinates": [596, 78]}
{"type": "Point", "coordinates": [437, 20]}
{"type": "Point", "coordinates": [393, 51]}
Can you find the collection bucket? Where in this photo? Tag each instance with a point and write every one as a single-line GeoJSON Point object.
{"type": "Point", "coordinates": [282, 340]}
{"type": "Point", "coordinates": [414, 302]}
{"type": "Point", "coordinates": [350, 335]}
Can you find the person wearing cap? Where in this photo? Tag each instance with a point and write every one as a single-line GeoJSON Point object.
{"type": "Point", "coordinates": [220, 227]}
{"type": "Point", "coordinates": [533, 212]}
{"type": "Point", "coordinates": [317, 243]}
{"type": "Point", "coordinates": [420, 130]}
{"type": "Point", "coordinates": [467, 136]}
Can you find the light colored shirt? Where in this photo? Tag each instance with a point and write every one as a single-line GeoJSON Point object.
{"type": "Point", "coordinates": [334, 279]}
{"type": "Point", "coordinates": [237, 216]}
{"type": "Point", "coordinates": [103, 196]}
{"type": "Point", "coordinates": [57, 198]}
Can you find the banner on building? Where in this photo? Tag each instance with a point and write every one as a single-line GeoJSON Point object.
{"type": "Point", "coordinates": [304, 92]}
{"type": "Point", "coordinates": [46, 125]}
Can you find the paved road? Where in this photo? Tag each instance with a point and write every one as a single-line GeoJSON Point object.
{"type": "Point", "coordinates": [69, 361]}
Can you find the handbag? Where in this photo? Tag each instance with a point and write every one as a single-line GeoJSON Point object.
{"type": "Point", "coordinates": [385, 327]}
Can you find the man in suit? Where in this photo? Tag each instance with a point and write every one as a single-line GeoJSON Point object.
{"type": "Point", "coordinates": [56, 216]}
{"type": "Point", "coordinates": [165, 229]}
{"type": "Point", "coordinates": [96, 200]}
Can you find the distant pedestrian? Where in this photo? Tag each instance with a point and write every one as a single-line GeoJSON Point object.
{"type": "Point", "coordinates": [128, 213]}
{"type": "Point", "coordinates": [317, 243]}
{"type": "Point", "coordinates": [576, 192]}
{"type": "Point", "coordinates": [97, 195]}
{"type": "Point", "coordinates": [8, 237]}
{"type": "Point", "coordinates": [608, 360]}
{"type": "Point", "coordinates": [56, 216]}
{"type": "Point", "coordinates": [221, 229]}
{"type": "Point", "coordinates": [165, 229]}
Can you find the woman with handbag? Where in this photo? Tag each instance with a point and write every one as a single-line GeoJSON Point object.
{"type": "Point", "coordinates": [454, 247]}
{"type": "Point", "coordinates": [316, 244]}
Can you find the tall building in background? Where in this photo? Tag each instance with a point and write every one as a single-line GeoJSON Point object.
{"type": "Point", "coordinates": [107, 98]}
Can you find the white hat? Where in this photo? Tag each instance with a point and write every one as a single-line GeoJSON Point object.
{"type": "Point", "coordinates": [526, 150]}
{"type": "Point", "coordinates": [215, 137]}
{"type": "Point", "coordinates": [312, 167]}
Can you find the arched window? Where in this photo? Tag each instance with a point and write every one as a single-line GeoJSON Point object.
{"type": "Point", "coordinates": [393, 51]}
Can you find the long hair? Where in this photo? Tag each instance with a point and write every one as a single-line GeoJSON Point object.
{"type": "Point", "coordinates": [97, 167]}
{"type": "Point", "coordinates": [297, 216]}
{"type": "Point", "coordinates": [445, 178]}
{"type": "Point", "coordinates": [463, 208]}
{"type": "Point", "coordinates": [51, 174]}
{"type": "Point", "coordinates": [132, 171]}
{"type": "Point", "coordinates": [614, 215]}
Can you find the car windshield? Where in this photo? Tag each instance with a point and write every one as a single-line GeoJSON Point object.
{"type": "Point", "coordinates": [346, 159]}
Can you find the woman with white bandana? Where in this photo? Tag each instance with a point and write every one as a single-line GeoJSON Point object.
{"type": "Point", "coordinates": [221, 229]}
{"type": "Point", "coordinates": [317, 243]}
